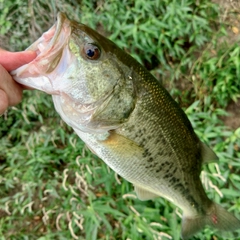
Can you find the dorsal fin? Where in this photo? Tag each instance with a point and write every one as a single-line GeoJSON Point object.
{"type": "Point", "coordinates": [208, 155]}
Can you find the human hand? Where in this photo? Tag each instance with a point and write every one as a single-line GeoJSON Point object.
{"type": "Point", "coordinates": [11, 91]}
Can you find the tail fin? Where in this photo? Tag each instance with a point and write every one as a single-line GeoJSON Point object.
{"type": "Point", "coordinates": [218, 218]}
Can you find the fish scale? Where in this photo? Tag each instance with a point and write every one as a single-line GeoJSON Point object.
{"type": "Point", "coordinates": [127, 118]}
{"type": "Point", "coordinates": [156, 160]}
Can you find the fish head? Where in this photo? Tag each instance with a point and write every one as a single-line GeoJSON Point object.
{"type": "Point", "coordinates": [92, 88]}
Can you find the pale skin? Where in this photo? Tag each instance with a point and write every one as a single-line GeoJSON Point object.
{"type": "Point", "coordinates": [10, 91]}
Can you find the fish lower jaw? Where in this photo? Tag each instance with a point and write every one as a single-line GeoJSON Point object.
{"type": "Point", "coordinates": [40, 83]}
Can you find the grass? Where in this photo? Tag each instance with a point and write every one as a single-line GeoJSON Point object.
{"type": "Point", "coordinates": [52, 187]}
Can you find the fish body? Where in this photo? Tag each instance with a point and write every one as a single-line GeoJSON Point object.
{"type": "Point", "coordinates": [127, 118]}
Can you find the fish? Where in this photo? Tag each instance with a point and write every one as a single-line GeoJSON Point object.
{"type": "Point", "coordinates": [127, 118]}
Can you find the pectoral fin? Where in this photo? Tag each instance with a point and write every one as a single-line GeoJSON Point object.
{"type": "Point", "coordinates": [122, 144]}
{"type": "Point", "coordinates": [208, 155]}
{"type": "Point", "coordinates": [144, 194]}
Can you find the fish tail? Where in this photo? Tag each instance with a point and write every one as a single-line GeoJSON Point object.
{"type": "Point", "coordinates": [218, 218]}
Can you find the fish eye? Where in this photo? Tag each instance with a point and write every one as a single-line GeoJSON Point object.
{"type": "Point", "coordinates": [92, 51]}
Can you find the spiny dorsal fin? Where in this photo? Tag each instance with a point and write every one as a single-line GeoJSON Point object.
{"type": "Point", "coordinates": [144, 194]}
{"type": "Point", "coordinates": [208, 155]}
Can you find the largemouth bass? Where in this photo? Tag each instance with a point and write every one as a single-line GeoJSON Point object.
{"type": "Point", "coordinates": [127, 118]}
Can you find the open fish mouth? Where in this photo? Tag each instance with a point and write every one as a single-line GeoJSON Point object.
{"type": "Point", "coordinates": [49, 48]}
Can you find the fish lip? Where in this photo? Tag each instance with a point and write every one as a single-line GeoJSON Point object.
{"type": "Point", "coordinates": [61, 17]}
{"type": "Point", "coordinates": [57, 28]}
{"type": "Point", "coordinates": [36, 74]}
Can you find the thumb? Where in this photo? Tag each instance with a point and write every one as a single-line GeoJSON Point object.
{"type": "Point", "coordinates": [13, 60]}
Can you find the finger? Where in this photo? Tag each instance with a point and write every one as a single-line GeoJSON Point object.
{"type": "Point", "coordinates": [13, 60]}
{"type": "Point", "coordinates": [12, 89]}
{"type": "Point", "coordinates": [3, 102]}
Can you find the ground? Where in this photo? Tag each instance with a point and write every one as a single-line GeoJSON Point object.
{"type": "Point", "coordinates": [50, 176]}
{"type": "Point", "coordinates": [231, 15]}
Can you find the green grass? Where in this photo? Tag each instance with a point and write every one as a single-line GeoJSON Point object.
{"type": "Point", "coordinates": [52, 187]}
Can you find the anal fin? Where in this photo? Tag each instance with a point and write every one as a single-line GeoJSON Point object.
{"type": "Point", "coordinates": [144, 194]}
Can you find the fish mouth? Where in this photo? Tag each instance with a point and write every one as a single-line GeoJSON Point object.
{"type": "Point", "coordinates": [49, 48]}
